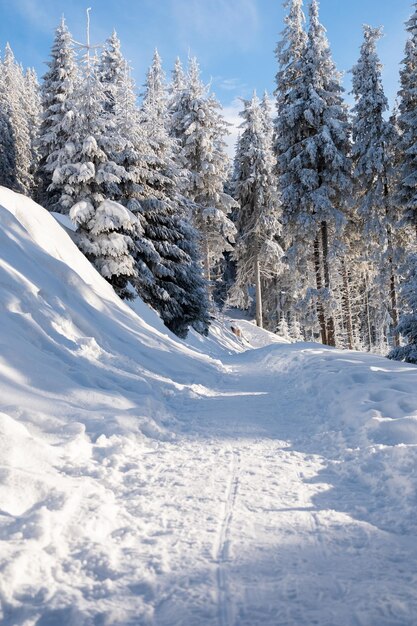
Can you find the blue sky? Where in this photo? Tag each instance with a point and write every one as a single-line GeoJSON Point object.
{"type": "Point", "coordinates": [234, 40]}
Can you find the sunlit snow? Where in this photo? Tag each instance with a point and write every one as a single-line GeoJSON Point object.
{"type": "Point", "coordinates": [221, 481]}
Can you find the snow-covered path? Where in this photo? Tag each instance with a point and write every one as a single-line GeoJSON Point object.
{"type": "Point", "coordinates": [148, 482]}
{"type": "Point", "coordinates": [246, 517]}
{"type": "Point", "coordinates": [290, 546]}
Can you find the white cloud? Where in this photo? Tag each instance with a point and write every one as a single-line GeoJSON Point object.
{"type": "Point", "coordinates": [229, 84]}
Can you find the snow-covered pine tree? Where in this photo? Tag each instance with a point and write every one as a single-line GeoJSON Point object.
{"type": "Point", "coordinates": [408, 322]}
{"type": "Point", "coordinates": [58, 115]}
{"type": "Point", "coordinates": [106, 234]}
{"type": "Point", "coordinates": [7, 150]}
{"type": "Point", "coordinates": [155, 98]}
{"type": "Point", "coordinates": [135, 155]}
{"type": "Point", "coordinates": [90, 181]}
{"type": "Point", "coordinates": [407, 120]}
{"type": "Point", "coordinates": [197, 124]}
{"type": "Point", "coordinates": [283, 330]}
{"type": "Point", "coordinates": [14, 85]}
{"type": "Point", "coordinates": [369, 130]}
{"type": "Point", "coordinates": [316, 180]}
{"type": "Point", "coordinates": [266, 111]}
{"type": "Point", "coordinates": [112, 68]}
{"type": "Point", "coordinates": [295, 330]}
{"type": "Point", "coordinates": [289, 131]}
{"type": "Point", "coordinates": [371, 156]}
{"type": "Point", "coordinates": [326, 166]}
{"type": "Point", "coordinates": [168, 252]}
{"type": "Point", "coordinates": [257, 253]}
{"type": "Point", "coordinates": [407, 189]}
{"type": "Point", "coordinates": [289, 53]}
{"type": "Point", "coordinates": [178, 81]}
{"type": "Point", "coordinates": [32, 105]}
{"type": "Point", "coordinates": [137, 159]}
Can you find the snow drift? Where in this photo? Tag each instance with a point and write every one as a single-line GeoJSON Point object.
{"type": "Point", "coordinates": [146, 480]}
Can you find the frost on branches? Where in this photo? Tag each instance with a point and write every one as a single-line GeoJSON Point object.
{"type": "Point", "coordinates": [407, 191]}
{"type": "Point", "coordinates": [32, 106]}
{"type": "Point", "coordinates": [7, 151]}
{"type": "Point", "coordinates": [59, 109]}
{"type": "Point", "coordinates": [313, 156]}
{"type": "Point", "coordinates": [169, 274]}
{"type": "Point", "coordinates": [90, 180]}
{"type": "Point", "coordinates": [369, 133]}
{"type": "Point", "coordinates": [372, 155]}
{"type": "Point", "coordinates": [105, 236]}
{"type": "Point", "coordinates": [257, 253]}
{"type": "Point", "coordinates": [111, 71]}
{"type": "Point", "coordinates": [290, 122]}
{"type": "Point", "coordinates": [199, 127]}
{"type": "Point", "coordinates": [408, 323]}
{"type": "Point", "coordinates": [19, 172]}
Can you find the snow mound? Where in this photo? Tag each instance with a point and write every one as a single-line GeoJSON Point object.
{"type": "Point", "coordinates": [66, 337]}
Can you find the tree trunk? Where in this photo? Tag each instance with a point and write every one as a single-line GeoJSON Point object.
{"type": "Point", "coordinates": [206, 260]}
{"type": "Point", "coordinates": [392, 282]}
{"type": "Point", "coordinates": [393, 290]}
{"type": "Point", "coordinates": [394, 304]}
{"type": "Point", "coordinates": [331, 333]}
{"type": "Point", "coordinates": [319, 284]}
{"type": "Point", "coordinates": [259, 320]}
{"type": "Point", "coordinates": [347, 304]}
{"type": "Point", "coordinates": [368, 317]}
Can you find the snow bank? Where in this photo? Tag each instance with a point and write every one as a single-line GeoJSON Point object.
{"type": "Point", "coordinates": [145, 480]}
{"type": "Point", "coordinates": [360, 412]}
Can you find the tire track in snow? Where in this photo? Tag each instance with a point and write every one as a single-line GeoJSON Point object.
{"type": "Point", "coordinates": [222, 544]}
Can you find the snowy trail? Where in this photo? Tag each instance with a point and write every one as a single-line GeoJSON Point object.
{"type": "Point", "coordinates": [148, 482]}
{"type": "Point", "coordinates": [222, 543]}
{"type": "Point", "coordinates": [241, 520]}
{"type": "Point", "coordinates": [283, 558]}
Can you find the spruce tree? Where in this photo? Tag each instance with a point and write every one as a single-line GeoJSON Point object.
{"type": "Point", "coordinates": [313, 158]}
{"type": "Point", "coordinates": [325, 163]}
{"type": "Point", "coordinates": [59, 107]}
{"type": "Point", "coordinates": [14, 86]}
{"type": "Point", "coordinates": [178, 82]}
{"type": "Point", "coordinates": [290, 126]}
{"type": "Point", "coordinates": [369, 132]}
{"type": "Point", "coordinates": [32, 105]}
{"type": "Point", "coordinates": [111, 71]}
{"type": "Point", "coordinates": [197, 124]}
{"type": "Point", "coordinates": [295, 330]}
{"type": "Point", "coordinates": [257, 253]}
{"type": "Point", "coordinates": [172, 279]}
{"type": "Point", "coordinates": [290, 130]}
{"type": "Point", "coordinates": [7, 147]}
{"type": "Point", "coordinates": [372, 156]}
{"type": "Point", "coordinates": [408, 322]}
{"type": "Point", "coordinates": [90, 181]}
{"type": "Point", "coordinates": [407, 188]}
{"type": "Point", "coordinates": [283, 330]}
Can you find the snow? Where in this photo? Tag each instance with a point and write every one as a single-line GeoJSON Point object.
{"type": "Point", "coordinates": [65, 221]}
{"type": "Point", "coordinates": [151, 481]}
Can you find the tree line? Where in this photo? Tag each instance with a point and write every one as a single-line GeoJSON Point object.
{"type": "Point", "coordinates": [313, 226]}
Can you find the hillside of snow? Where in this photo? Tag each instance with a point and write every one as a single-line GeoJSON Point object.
{"type": "Point", "coordinates": [149, 481]}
